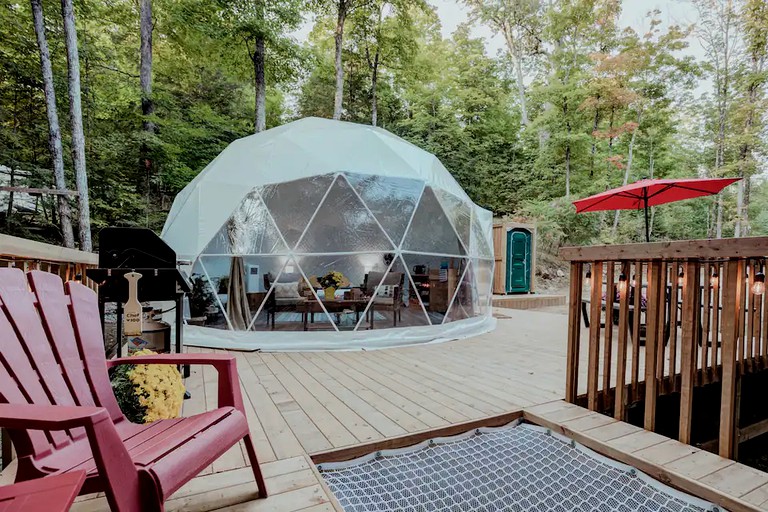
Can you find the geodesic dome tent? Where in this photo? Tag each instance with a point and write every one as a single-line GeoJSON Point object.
{"type": "Point", "coordinates": [277, 211]}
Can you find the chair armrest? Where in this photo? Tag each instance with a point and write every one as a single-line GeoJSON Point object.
{"type": "Point", "coordinates": [211, 359]}
{"type": "Point", "coordinates": [49, 417]}
{"type": "Point", "coordinates": [225, 364]}
{"type": "Point", "coordinates": [109, 452]}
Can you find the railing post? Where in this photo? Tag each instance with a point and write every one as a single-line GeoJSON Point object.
{"type": "Point", "coordinates": [655, 311]}
{"type": "Point", "coordinates": [620, 399]}
{"type": "Point", "coordinates": [690, 323]}
{"type": "Point", "coordinates": [610, 297]}
{"type": "Point", "coordinates": [593, 368]}
{"type": "Point", "coordinates": [733, 288]}
{"type": "Point", "coordinates": [574, 333]}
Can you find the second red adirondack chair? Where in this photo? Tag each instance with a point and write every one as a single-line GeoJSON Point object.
{"type": "Point", "coordinates": [49, 494]}
{"type": "Point", "coordinates": [62, 414]}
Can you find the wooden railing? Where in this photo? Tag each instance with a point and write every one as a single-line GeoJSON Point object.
{"type": "Point", "coordinates": [30, 255]}
{"type": "Point", "coordinates": [704, 321]}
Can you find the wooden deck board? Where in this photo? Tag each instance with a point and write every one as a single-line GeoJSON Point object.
{"type": "Point", "coordinates": [301, 403]}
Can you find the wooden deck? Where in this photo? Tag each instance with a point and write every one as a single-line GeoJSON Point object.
{"type": "Point", "coordinates": [303, 403]}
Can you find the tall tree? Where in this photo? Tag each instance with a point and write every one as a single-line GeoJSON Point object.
{"type": "Point", "coordinates": [263, 25]}
{"type": "Point", "coordinates": [76, 120]}
{"type": "Point", "coordinates": [343, 9]}
{"type": "Point", "coordinates": [519, 22]}
{"type": "Point", "coordinates": [54, 131]}
{"type": "Point", "coordinates": [383, 35]}
{"type": "Point", "coordinates": [145, 66]}
{"type": "Point", "coordinates": [753, 105]}
{"type": "Point", "coordinates": [718, 32]}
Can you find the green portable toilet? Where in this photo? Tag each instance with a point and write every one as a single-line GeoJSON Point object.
{"type": "Point", "coordinates": [518, 261]}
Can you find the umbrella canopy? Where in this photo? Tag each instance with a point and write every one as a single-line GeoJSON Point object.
{"type": "Point", "coordinates": [653, 192]}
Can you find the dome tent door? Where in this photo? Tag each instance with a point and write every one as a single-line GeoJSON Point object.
{"type": "Point", "coordinates": [518, 261]}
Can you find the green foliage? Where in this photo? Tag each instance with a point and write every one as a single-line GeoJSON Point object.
{"type": "Point", "coordinates": [125, 393]}
{"type": "Point", "coordinates": [594, 93]}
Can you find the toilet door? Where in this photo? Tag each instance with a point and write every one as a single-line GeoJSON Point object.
{"type": "Point", "coordinates": [518, 261]}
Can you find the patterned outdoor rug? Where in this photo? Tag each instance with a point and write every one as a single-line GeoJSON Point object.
{"type": "Point", "coordinates": [519, 467]}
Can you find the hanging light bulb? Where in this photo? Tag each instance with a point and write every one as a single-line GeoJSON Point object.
{"type": "Point", "coordinates": [758, 286]}
{"type": "Point", "coordinates": [622, 283]}
{"type": "Point", "coordinates": [634, 281]}
{"type": "Point", "coordinates": [680, 277]}
{"type": "Point", "coordinates": [714, 279]}
{"type": "Point", "coordinates": [589, 271]}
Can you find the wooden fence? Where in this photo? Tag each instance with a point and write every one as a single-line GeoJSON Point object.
{"type": "Point", "coordinates": [703, 317]}
{"type": "Point", "coordinates": [30, 255]}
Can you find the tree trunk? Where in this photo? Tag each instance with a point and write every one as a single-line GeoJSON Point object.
{"type": "Point", "coordinates": [145, 68]}
{"type": "Point", "coordinates": [54, 131]}
{"type": "Point", "coordinates": [515, 53]}
{"type": "Point", "coordinates": [595, 124]}
{"type": "Point", "coordinates": [628, 169]}
{"type": "Point", "coordinates": [745, 153]}
{"type": "Point", "coordinates": [260, 85]}
{"type": "Point", "coordinates": [338, 97]}
{"type": "Point", "coordinates": [76, 118]}
{"type": "Point", "coordinates": [374, 81]}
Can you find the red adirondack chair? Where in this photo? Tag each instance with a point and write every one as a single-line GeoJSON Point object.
{"type": "Point", "coordinates": [50, 494]}
{"type": "Point", "coordinates": [62, 415]}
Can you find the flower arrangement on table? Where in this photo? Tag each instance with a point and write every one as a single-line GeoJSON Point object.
{"type": "Point", "coordinates": [148, 392]}
{"type": "Point", "coordinates": [330, 282]}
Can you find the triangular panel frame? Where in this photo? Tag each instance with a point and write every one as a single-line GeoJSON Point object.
{"type": "Point", "coordinates": [270, 228]}
{"type": "Point", "coordinates": [341, 185]}
{"type": "Point", "coordinates": [210, 283]}
{"type": "Point", "coordinates": [412, 286]}
{"type": "Point", "coordinates": [278, 218]}
{"type": "Point", "coordinates": [421, 222]}
{"type": "Point", "coordinates": [471, 285]}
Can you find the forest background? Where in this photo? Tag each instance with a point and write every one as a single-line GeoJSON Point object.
{"type": "Point", "coordinates": [125, 101]}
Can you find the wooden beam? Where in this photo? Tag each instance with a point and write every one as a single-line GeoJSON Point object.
{"type": "Point", "coordinates": [32, 190]}
{"type": "Point", "coordinates": [352, 452]}
{"type": "Point", "coordinates": [610, 294]}
{"type": "Point", "coordinates": [654, 315]}
{"type": "Point", "coordinates": [673, 323]}
{"type": "Point", "coordinates": [733, 287]}
{"type": "Point", "coordinates": [748, 247]}
{"type": "Point", "coordinates": [620, 401]}
{"type": "Point", "coordinates": [574, 333]}
{"type": "Point", "coordinates": [596, 297]}
{"type": "Point", "coordinates": [660, 473]}
{"type": "Point", "coordinates": [753, 430]}
{"type": "Point", "coordinates": [690, 323]}
{"type": "Point", "coordinates": [21, 248]}
{"type": "Point", "coordinates": [637, 313]}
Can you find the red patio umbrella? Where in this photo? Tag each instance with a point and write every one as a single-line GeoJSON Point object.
{"type": "Point", "coordinates": [653, 192]}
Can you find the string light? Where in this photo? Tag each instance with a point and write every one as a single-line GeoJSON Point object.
{"type": "Point", "coordinates": [713, 280]}
{"type": "Point", "coordinates": [758, 286]}
{"type": "Point", "coordinates": [680, 277]}
{"type": "Point", "coordinates": [622, 283]}
{"type": "Point", "coordinates": [634, 281]}
{"type": "Point", "coordinates": [589, 271]}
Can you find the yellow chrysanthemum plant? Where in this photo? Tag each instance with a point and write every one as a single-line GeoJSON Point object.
{"type": "Point", "coordinates": [148, 392]}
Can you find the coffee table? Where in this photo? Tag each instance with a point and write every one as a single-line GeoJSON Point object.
{"type": "Point", "coordinates": [337, 306]}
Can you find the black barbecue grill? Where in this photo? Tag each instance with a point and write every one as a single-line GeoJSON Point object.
{"type": "Point", "coordinates": [124, 250]}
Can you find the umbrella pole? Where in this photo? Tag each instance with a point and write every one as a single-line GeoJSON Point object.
{"type": "Point", "coordinates": [647, 226]}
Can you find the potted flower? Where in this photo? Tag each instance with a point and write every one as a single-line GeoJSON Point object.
{"type": "Point", "coordinates": [148, 392]}
{"type": "Point", "coordinates": [200, 299]}
{"type": "Point", "coordinates": [330, 282]}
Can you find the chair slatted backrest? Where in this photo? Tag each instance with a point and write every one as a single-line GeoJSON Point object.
{"type": "Point", "coordinates": [44, 358]}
